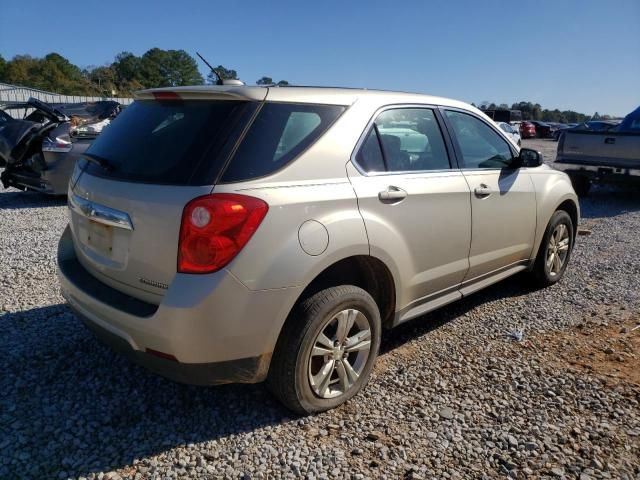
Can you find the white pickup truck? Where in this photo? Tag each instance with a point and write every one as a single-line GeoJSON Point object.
{"type": "Point", "coordinates": [611, 156]}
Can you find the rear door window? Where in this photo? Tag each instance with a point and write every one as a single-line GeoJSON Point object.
{"type": "Point", "coordinates": [280, 132]}
{"type": "Point", "coordinates": [176, 142]}
{"type": "Point", "coordinates": [404, 140]}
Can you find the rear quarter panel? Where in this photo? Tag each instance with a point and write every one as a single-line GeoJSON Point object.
{"type": "Point", "coordinates": [274, 257]}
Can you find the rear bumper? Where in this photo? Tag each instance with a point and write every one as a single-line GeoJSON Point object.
{"type": "Point", "coordinates": [213, 328]}
{"type": "Point", "coordinates": [244, 370]}
{"type": "Point", "coordinates": [601, 172]}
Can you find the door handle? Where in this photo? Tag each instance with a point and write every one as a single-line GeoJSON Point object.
{"type": "Point", "coordinates": [482, 191]}
{"type": "Point", "coordinates": [392, 195]}
{"type": "Point", "coordinates": [609, 140]}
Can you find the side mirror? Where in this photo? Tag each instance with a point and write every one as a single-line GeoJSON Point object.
{"type": "Point", "coordinates": [530, 158]}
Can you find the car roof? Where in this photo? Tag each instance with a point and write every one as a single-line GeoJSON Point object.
{"type": "Point", "coordinates": [303, 94]}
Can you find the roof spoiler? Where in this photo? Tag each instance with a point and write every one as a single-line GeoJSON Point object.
{"type": "Point", "coordinates": [228, 91]}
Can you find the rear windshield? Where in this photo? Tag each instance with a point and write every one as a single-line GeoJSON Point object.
{"type": "Point", "coordinates": [170, 142]}
{"type": "Point", "coordinates": [280, 132]}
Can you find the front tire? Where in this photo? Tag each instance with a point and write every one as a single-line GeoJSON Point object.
{"type": "Point", "coordinates": [555, 250]}
{"type": "Point", "coordinates": [326, 351]}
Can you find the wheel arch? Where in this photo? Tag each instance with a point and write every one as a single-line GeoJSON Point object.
{"type": "Point", "coordinates": [364, 271]}
{"type": "Point", "coordinates": [571, 208]}
{"type": "Point", "coordinates": [567, 204]}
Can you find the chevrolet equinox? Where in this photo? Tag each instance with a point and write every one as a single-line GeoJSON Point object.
{"type": "Point", "coordinates": [238, 234]}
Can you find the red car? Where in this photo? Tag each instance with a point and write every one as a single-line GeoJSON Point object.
{"type": "Point", "coordinates": [527, 130]}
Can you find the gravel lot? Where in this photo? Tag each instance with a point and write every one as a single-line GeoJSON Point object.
{"type": "Point", "coordinates": [452, 396]}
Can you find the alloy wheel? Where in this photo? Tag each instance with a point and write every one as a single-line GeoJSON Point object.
{"type": "Point", "coordinates": [557, 249]}
{"type": "Point", "coordinates": [340, 353]}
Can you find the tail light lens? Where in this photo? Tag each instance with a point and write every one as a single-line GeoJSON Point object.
{"type": "Point", "coordinates": [215, 228]}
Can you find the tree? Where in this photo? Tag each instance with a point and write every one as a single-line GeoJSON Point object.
{"type": "Point", "coordinates": [127, 71]}
{"type": "Point", "coordinates": [168, 68]}
{"type": "Point", "coordinates": [53, 72]}
{"type": "Point", "coordinates": [223, 73]}
{"type": "Point", "coordinates": [102, 80]}
{"type": "Point", "coordinates": [59, 74]}
{"type": "Point", "coordinates": [182, 69]}
{"type": "Point", "coordinates": [269, 81]}
{"type": "Point", "coordinates": [3, 68]}
{"type": "Point", "coordinates": [21, 70]}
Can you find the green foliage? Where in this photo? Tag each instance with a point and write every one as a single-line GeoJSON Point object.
{"type": "Point", "coordinates": [269, 81]}
{"type": "Point", "coordinates": [52, 72]}
{"type": "Point", "coordinates": [534, 111]}
{"type": "Point", "coordinates": [223, 73]}
{"type": "Point", "coordinates": [168, 68]}
{"type": "Point", "coordinates": [3, 68]}
{"type": "Point", "coordinates": [127, 73]}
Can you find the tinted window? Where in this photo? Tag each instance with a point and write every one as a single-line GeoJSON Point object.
{"type": "Point", "coordinates": [480, 145]}
{"type": "Point", "coordinates": [411, 140]}
{"type": "Point", "coordinates": [370, 155]}
{"type": "Point", "coordinates": [280, 132]}
{"type": "Point", "coordinates": [170, 142]}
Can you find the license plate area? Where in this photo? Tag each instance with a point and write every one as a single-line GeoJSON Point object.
{"type": "Point", "coordinates": [100, 238]}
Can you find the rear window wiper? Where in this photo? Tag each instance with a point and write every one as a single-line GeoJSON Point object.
{"type": "Point", "coordinates": [101, 162]}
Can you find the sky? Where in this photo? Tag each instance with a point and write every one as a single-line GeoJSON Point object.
{"type": "Point", "coordinates": [582, 55]}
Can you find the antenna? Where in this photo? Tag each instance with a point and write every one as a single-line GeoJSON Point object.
{"type": "Point", "coordinates": [219, 81]}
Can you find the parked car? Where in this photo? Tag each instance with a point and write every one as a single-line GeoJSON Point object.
{"type": "Point", "coordinates": [38, 149]}
{"type": "Point", "coordinates": [527, 130]}
{"type": "Point", "coordinates": [511, 132]}
{"type": "Point", "coordinates": [562, 128]}
{"type": "Point", "coordinates": [217, 234]}
{"type": "Point", "coordinates": [592, 126]}
{"type": "Point", "coordinates": [611, 155]}
{"type": "Point", "coordinates": [543, 130]}
{"type": "Point", "coordinates": [597, 125]}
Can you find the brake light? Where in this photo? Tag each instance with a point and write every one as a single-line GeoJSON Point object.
{"type": "Point", "coordinates": [163, 95]}
{"type": "Point", "coordinates": [215, 228]}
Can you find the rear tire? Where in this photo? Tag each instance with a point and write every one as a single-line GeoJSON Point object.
{"type": "Point", "coordinates": [555, 250]}
{"type": "Point", "coordinates": [581, 184]}
{"type": "Point", "coordinates": [326, 351]}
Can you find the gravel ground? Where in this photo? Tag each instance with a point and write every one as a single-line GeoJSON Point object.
{"type": "Point", "coordinates": [452, 395]}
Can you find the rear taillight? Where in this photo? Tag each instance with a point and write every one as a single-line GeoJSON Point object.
{"type": "Point", "coordinates": [215, 228]}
